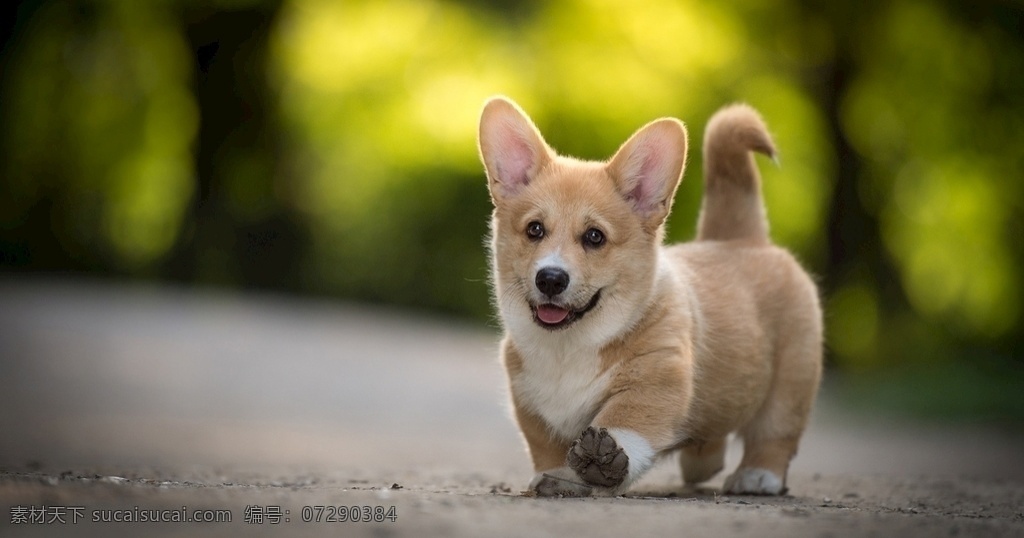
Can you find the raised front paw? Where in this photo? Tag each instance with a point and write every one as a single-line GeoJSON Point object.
{"type": "Point", "coordinates": [598, 459]}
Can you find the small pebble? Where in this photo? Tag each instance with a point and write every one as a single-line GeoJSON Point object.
{"type": "Point", "coordinates": [500, 488]}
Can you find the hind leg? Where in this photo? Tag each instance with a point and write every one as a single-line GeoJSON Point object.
{"type": "Point", "coordinates": [764, 467]}
{"type": "Point", "coordinates": [701, 462]}
{"type": "Point", "coordinates": [771, 438]}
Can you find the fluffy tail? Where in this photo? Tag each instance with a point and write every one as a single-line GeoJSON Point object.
{"type": "Point", "coordinates": [732, 206]}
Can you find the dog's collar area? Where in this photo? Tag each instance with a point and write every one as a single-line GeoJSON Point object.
{"type": "Point", "coordinates": [572, 316]}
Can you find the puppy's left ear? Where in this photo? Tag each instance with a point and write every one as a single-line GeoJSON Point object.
{"type": "Point", "coordinates": [648, 167]}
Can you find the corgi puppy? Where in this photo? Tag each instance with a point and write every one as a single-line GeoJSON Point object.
{"type": "Point", "coordinates": [619, 349]}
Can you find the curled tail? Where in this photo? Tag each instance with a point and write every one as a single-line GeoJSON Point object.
{"type": "Point", "coordinates": [732, 206]}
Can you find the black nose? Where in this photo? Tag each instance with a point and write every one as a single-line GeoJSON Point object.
{"type": "Point", "coordinates": [551, 281]}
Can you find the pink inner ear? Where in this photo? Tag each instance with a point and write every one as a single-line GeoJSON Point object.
{"type": "Point", "coordinates": [514, 163]}
{"type": "Point", "coordinates": [514, 153]}
{"type": "Point", "coordinates": [646, 175]}
{"type": "Point", "coordinates": [636, 195]}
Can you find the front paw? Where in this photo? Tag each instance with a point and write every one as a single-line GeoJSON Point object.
{"type": "Point", "coordinates": [598, 459]}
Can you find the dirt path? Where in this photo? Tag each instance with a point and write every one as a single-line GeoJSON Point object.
{"type": "Point", "coordinates": [113, 398]}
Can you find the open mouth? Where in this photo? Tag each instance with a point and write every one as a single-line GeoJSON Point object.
{"type": "Point", "coordinates": [553, 317]}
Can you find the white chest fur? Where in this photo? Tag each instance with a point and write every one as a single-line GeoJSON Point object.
{"type": "Point", "coordinates": [562, 384]}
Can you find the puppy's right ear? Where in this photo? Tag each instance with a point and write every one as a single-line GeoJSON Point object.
{"type": "Point", "coordinates": [511, 148]}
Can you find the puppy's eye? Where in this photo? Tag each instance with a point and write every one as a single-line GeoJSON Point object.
{"type": "Point", "coordinates": [535, 230]}
{"type": "Point", "coordinates": [593, 238]}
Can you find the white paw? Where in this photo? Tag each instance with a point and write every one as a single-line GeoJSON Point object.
{"type": "Point", "coordinates": [753, 481]}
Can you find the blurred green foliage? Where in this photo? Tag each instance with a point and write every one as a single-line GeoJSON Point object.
{"type": "Point", "coordinates": [329, 147]}
{"type": "Point", "coordinates": [99, 120]}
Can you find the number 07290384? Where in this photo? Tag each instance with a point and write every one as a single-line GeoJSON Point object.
{"type": "Point", "coordinates": [349, 514]}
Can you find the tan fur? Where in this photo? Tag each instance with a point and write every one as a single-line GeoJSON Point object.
{"type": "Point", "coordinates": [686, 343]}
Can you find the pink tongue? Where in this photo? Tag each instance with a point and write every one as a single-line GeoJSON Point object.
{"type": "Point", "coordinates": [552, 314]}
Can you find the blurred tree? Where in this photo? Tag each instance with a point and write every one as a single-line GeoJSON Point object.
{"type": "Point", "coordinates": [146, 143]}
{"type": "Point", "coordinates": [927, 110]}
{"type": "Point", "coordinates": [240, 229]}
{"type": "Point", "coordinates": [98, 126]}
